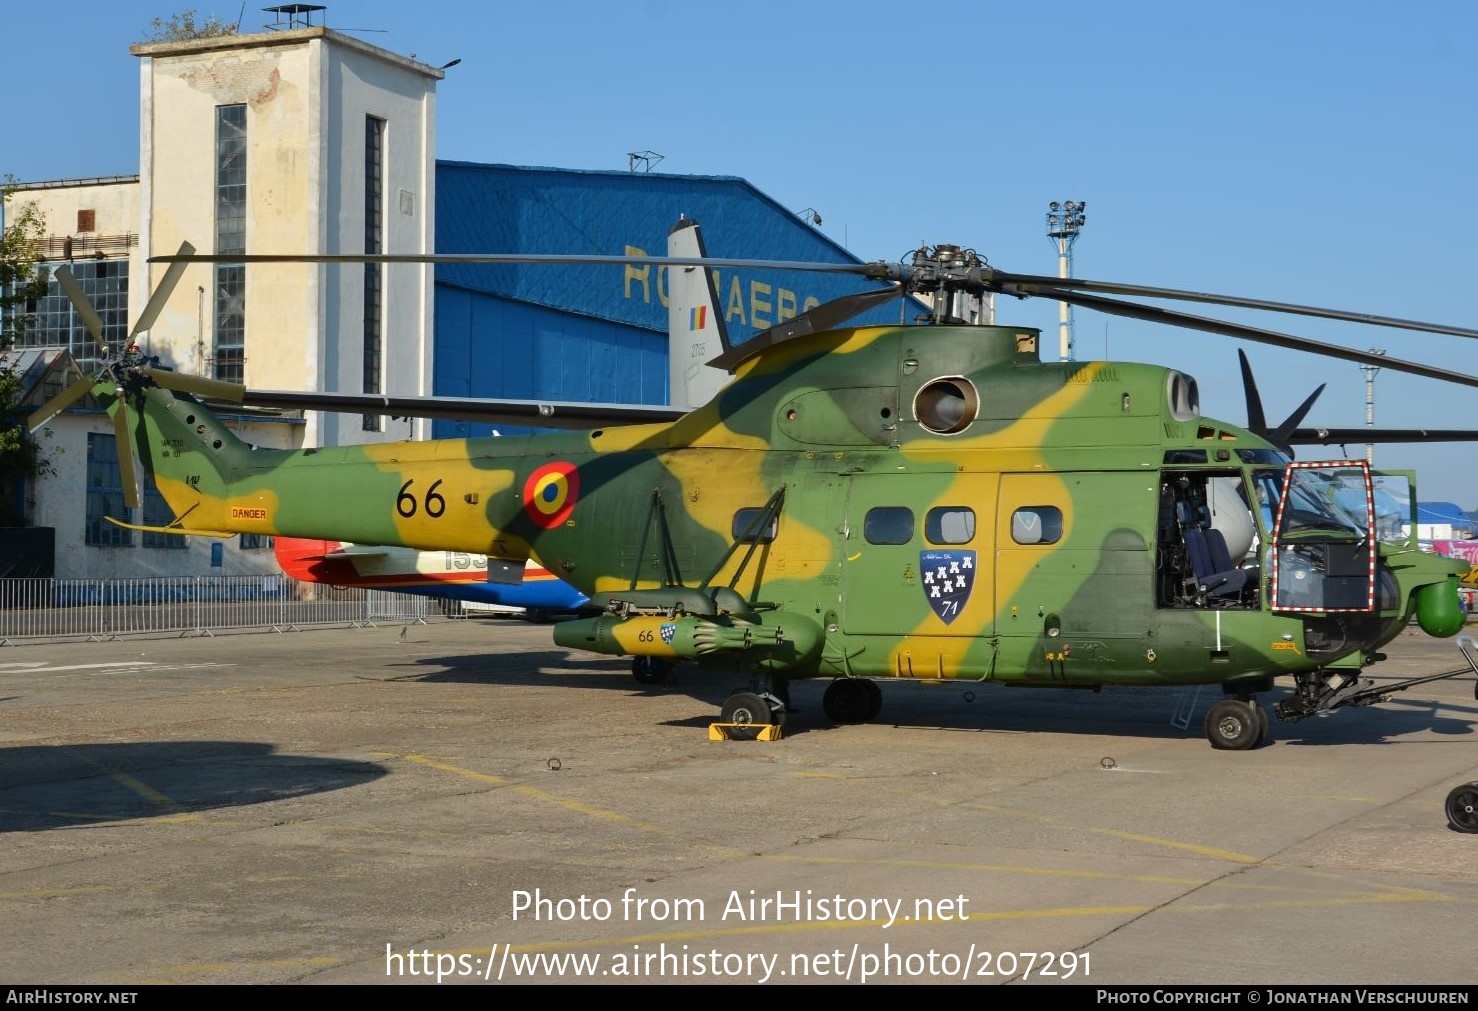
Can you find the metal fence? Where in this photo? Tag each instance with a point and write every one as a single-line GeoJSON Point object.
{"type": "Point", "coordinates": [49, 610]}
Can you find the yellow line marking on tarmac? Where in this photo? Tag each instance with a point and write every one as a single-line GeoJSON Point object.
{"type": "Point", "coordinates": [1375, 899]}
{"type": "Point", "coordinates": [1053, 872]}
{"type": "Point", "coordinates": [173, 972]}
{"type": "Point", "coordinates": [1000, 916]}
{"type": "Point", "coordinates": [950, 865]}
{"type": "Point", "coordinates": [537, 794]}
{"type": "Point", "coordinates": [177, 813]}
{"type": "Point", "coordinates": [72, 815]}
{"type": "Point", "coordinates": [1206, 851]}
{"type": "Point", "coordinates": [719, 933]}
{"type": "Point", "coordinates": [56, 893]}
{"type": "Point", "coordinates": [1336, 796]}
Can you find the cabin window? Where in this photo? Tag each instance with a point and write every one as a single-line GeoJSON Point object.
{"type": "Point", "coordinates": [950, 525]}
{"type": "Point", "coordinates": [888, 525]}
{"type": "Point", "coordinates": [1036, 525]}
{"type": "Point", "coordinates": [746, 529]}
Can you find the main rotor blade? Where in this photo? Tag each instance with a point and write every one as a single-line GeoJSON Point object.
{"type": "Point", "coordinates": [1146, 291]}
{"type": "Point", "coordinates": [533, 414]}
{"type": "Point", "coordinates": [1279, 435]}
{"type": "Point", "coordinates": [1346, 436]}
{"type": "Point", "coordinates": [1256, 420]}
{"type": "Point", "coordinates": [823, 317]}
{"type": "Point", "coordinates": [127, 473]}
{"type": "Point", "coordinates": [59, 403]}
{"type": "Point", "coordinates": [883, 271]}
{"type": "Point", "coordinates": [200, 386]}
{"type": "Point", "coordinates": [1154, 314]}
{"type": "Point", "coordinates": [90, 318]}
{"type": "Point", "coordinates": [155, 305]}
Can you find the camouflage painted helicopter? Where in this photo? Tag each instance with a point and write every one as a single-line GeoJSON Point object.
{"type": "Point", "coordinates": [931, 502]}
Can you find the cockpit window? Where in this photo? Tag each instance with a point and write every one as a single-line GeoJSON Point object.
{"type": "Point", "coordinates": [1331, 499]}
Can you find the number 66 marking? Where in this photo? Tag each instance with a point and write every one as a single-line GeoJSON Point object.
{"type": "Point", "coordinates": [405, 502]}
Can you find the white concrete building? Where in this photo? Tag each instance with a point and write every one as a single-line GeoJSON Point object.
{"type": "Point", "coordinates": [298, 141]}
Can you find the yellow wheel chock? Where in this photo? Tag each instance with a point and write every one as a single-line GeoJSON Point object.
{"type": "Point", "coordinates": [744, 731]}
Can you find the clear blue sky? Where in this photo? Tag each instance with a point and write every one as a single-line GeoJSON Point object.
{"type": "Point", "coordinates": [1317, 152]}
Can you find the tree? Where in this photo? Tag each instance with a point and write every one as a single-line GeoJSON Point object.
{"type": "Point", "coordinates": [21, 280]}
{"type": "Point", "coordinates": [185, 25]}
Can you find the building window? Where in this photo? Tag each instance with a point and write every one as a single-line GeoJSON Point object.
{"type": "Point", "coordinates": [157, 513]}
{"type": "Point", "coordinates": [52, 322]}
{"type": "Point", "coordinates": [87, 220]}
{"type": "Point", "coordinates": [230, 278]}
{"type": "Point", "coordinates": [253, 542]}
{"type": "Point", "coordinates": [105, 494]}
{"type": "Point", "coordinates": [374, 242]}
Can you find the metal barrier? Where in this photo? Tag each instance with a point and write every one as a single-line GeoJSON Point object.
{"type": "Point", "coordinates": [42, 610]}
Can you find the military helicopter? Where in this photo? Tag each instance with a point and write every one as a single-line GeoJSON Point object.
{"type": "Point", "coordinates": [927, 501]}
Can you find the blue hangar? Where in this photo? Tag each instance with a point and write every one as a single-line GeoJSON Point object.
{"type": "Point", "coordinates": [598, 332]}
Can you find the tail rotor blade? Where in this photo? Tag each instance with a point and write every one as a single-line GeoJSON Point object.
{"type": "Point", "coordinates": [127, 472]}
{"type": "Point", "coordinates": [59, 403]}
{"type": "Point", "coordinates": [200, 386]}
{"type": "Point", "coordinates": [78, 298]}
{"type": "Point", "coordinates": [161, 294]}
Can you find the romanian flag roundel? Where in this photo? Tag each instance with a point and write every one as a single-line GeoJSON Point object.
{"type": "Point", "coordinates": [550, 492]}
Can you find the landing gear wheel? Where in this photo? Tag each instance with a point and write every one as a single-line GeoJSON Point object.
{"type": "Point", "coordinates": [650, 670]}
{"type": "Point", "coordinates": [1233, 726]}
{"type": "Point", "coordinates": [874, 701]}
{"type": "Point", "coordinates": [749, 711]}
{"type": "Point", "coordinates": [1462, 808]}
{"type": "Point", "coordinates": [1263, 723]}
{"type": "Point", "coordinates": [847, 700]}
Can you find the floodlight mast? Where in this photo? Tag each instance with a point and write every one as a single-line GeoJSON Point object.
{"type": "Point", "coordinates": [1064, 221]}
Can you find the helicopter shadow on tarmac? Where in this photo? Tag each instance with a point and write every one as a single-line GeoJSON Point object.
{"type": "Point", "coordinates": [46, 787]}
{"type": "Point", "coordinates": [966, 706]}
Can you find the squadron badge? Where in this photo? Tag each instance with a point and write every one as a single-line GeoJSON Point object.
{"type": "Point", "coordinates": [948, 577]}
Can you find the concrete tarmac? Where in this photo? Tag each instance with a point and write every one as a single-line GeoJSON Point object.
{"type": "Point", "coordinates": [465, 803]}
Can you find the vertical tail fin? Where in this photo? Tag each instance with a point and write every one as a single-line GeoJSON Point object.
{"type": "Point", "coordinates": [696, 330]}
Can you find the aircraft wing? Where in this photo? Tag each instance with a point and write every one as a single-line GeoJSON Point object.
{"type": "Point", "coordinates": [540, 414]}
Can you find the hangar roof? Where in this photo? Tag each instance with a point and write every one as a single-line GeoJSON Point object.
{"type": "Point", "coordinates": [486, 208]}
